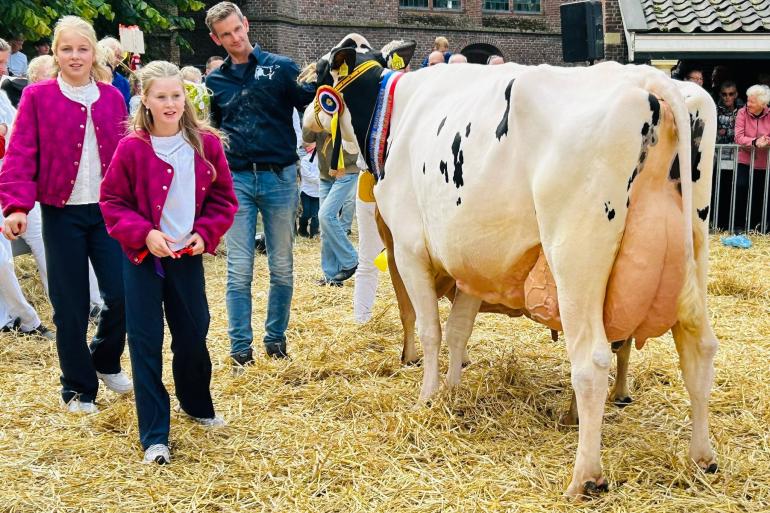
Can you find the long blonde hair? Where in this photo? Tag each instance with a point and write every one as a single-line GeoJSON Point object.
{"type": "Point", "coordinates": [99, 70]}
{"type": "Point", "coordinates": [191, 126]}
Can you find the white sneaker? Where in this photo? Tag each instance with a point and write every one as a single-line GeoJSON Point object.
{"type": "Point", "coordinates": [118, 383]}
{"type": "Point", "coordinates": [77, 406]}
{"type": "Point", "coordinates": [157, 453]}
{"type": "Point", "coordinates": [210, 423]}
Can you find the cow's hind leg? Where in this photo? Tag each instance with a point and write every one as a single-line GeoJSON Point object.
{"type": "Point", "coordinates": [696, 359]}
{"type": "Point", "coordinates": [458, 329]}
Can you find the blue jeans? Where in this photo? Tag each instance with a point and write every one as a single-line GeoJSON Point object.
{"type": "Point", "coordinates": [274, 195]}
{"type": "Point", "coordinates": [337, 252]}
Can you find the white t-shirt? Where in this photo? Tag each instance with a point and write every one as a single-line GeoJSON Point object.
{"type": "Point", "coordinates": [311, 180]}
{"type": "Point", "coordinates": [178, 214]}
{"type": "Point", "coordinates": [17, 64]}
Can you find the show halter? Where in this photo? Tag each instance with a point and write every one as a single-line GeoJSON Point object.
{"type": "Point", "coordinates": [329, 100]}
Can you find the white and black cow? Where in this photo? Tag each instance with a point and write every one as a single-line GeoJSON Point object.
{"type": "Point", "coordinates": [555, 191]}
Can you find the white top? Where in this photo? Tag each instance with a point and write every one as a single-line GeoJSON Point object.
{"type": "Point", "coordinates": [7, 115]}
{"type": "Point", "coordinates": [311, 180]}
{"type": "Point", "coordinates": [178, 213]}
{"type": "Point", "coordinates": [89, 178]}
{"type": "Point", "coordinates": [297, 127]}
{"type": "Point", "coordinates": [17, 64]}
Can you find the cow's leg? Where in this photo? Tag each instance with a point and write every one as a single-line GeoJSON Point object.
{"type": "Point", "coordinates": [405, 308]}
{"type": "Point", "coordinates": [420, 285]}
{"type": "Point", "coordinates": [581, 297]}
{"type": "Point", "coordinates": [620, 395]}
{"type": "Point", "coordinates": [696, 359]}
{"type": "Point", "coordinates": [458, 329]}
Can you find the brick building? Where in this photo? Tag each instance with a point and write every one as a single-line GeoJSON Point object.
{"type": "Point", "coordinates": [525, 31]}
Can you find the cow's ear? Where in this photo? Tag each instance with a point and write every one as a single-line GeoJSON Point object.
{"type": "Point", "coordinates": [399, 53]}
{"type": "Point", "coordinates": [343, 60]}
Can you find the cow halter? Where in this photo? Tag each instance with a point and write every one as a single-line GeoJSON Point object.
{"type": "Point", "coordinates": [329, 100]}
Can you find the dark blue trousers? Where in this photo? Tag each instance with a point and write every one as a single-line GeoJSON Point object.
{"type": "Point", "coordinates": [182, 293]}
{"type": "Point", "coordinates": [71, 236]}
{"type": "Point", "coordinates": [308, 221]}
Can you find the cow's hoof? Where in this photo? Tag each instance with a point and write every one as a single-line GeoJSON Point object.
{"type": "Point", "coordinates": [622, 402]}
{"type": "Point", "coordinates": [569, 419]}
{"type": "Point", "coordinates": [594, 489]}
{"type": "Point", "coordinates": [711, 469]}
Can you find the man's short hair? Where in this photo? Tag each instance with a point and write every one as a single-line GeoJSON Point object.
{"type": "Point", "coordinates": [4, 46]}
{"type": "Point", "coordinates": [221, 11]}
{"type": "Point", "coordinates": [214, 58]}
{"type": "Point", "coordinates": [727, 84]}
{"type": "Point", "coordinates": [493, 57]}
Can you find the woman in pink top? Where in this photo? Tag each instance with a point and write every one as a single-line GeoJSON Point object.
{"type": "Point", "coordinates": [66, 131]}
{"type": "Point", "coordinates": [168, 197]}
{"type": "Point", "coordinates": [752, 133]}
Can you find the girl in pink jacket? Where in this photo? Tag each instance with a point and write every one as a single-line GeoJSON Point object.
{"type": "Point", "coordinates": [65, 133]}
{"type": "Point", "coordinates": [168, 197]}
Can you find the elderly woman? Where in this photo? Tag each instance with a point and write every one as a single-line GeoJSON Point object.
{"type": "Point", "coordinates": [752, 133]}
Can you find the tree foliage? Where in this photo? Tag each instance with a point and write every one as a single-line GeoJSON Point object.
{"type": "Point", "coordinates": [35, 19]}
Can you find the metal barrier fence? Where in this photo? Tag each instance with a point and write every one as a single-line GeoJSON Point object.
{"type": "Point", "coordinates": [739, 198]}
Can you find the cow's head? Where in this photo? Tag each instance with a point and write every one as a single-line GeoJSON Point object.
{"type": "Point", "coordinates": [348, 79]}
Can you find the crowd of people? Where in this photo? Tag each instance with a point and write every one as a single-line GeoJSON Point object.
{"type": "Point", "coordinates": [743, 121]}
{"type": "Point", "coordinates": [119, 184]}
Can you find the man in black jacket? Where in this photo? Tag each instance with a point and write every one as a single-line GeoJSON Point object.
{"type": "Point", "coordinates": [254, 94]}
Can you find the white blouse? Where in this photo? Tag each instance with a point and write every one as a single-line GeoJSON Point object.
{"type": "Point", "coordinates": [178, 213]}
{"type": "Point", "coordinates": [89, 178]}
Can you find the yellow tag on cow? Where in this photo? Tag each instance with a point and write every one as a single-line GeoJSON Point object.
{"type": "Point", "coordinates": [343, 71]}
{"type": "Point", "coordinates": [396, 62]}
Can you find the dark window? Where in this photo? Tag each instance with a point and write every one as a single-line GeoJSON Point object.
{"type": "Point", "coordinates": [526, 6]}
{"type": "Point", "coordinates": [518, 5]}
{"type": "Point", "coordinates": [446, 4]}
{"type": "Point", "coordinates": [413, 3]}
{"type": "Point", "coordinates": [495, 5]}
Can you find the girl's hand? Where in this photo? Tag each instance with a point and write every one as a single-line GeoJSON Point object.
{"type": "Point", "coordinates": [157, 243]}
{"type": "Point", "coordinates": [15, 225]}
{"type": "Point", "coordinates": [196, 244]}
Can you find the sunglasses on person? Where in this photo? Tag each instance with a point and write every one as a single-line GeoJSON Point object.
{"type": "Point", "coordinates": [729, 95]}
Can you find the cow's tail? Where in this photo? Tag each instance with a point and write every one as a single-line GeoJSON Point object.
{"type": "Point", "coordinates": [690, 308]}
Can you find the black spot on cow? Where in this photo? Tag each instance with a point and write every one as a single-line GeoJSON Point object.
{"type": "Point", "coordinates": [443, 168]}
{"type": "Point", "coordinates": [698, 126]}
{"type": "Point", "coordinates": [502, 127]}
{"type": "Point", "coordinates": [423, 168]}
{"type": "Point", "coordinates": [459, 201]}
{"type": "Point", "coordinates": [673, 173]}
{"type": "Point", "coordinates": [631, 179]}
{"type": "Point", "coordinates": [457, 177]}
{"type": "Point", "coordinates": [655, 108]}
{"type": "Point", "coordinates": [441, 125]}
{"type": "Point", "coordinates": [468, 130]}
{"type": "Point", "coordinates": [703, 213]}
{"type": "Point", "coordinates": [645, 128]}
{"type": "Point", "coordinates": [609, 211]}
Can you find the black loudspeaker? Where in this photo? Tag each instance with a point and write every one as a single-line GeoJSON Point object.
{"type": "Point", "coordinates": [582, 32]}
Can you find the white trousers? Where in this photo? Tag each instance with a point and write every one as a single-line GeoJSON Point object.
{"type": "Point", "coordinates": [13, 304]}
{"type": "Point", "coordinates": [369, 246]}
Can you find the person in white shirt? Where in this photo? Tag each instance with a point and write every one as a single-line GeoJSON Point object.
{"type": "Point", "coordinates": [17, 64]}
{"type": "Point", "coordinates": [307, 224]}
